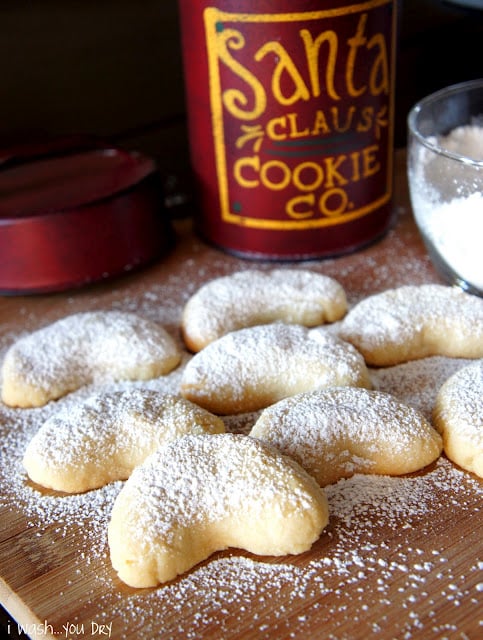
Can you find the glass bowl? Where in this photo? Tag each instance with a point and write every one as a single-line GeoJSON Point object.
{"type": "Point", "coordinates": [445, 172]}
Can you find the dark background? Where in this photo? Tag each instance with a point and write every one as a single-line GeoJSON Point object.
{"type": "Point", "coordinates": [113, 68]}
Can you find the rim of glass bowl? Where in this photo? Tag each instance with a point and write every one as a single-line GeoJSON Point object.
{"type": "Point", "coordinates": [432, 97]}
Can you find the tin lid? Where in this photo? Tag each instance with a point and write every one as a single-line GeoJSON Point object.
{"type": "Point", "coordinates": [75, 213]}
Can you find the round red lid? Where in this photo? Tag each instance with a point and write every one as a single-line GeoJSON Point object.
{"type": "Point", "coordinates": [72, 217]}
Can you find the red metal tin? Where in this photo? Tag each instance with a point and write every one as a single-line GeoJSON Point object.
{"type": "Point", "coordinates": [291, 111]}
{"type": "Point", "coordinates": [72, 217]}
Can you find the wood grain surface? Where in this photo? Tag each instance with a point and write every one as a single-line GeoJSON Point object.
{"type": "Point", "coordinates": [401, 558]}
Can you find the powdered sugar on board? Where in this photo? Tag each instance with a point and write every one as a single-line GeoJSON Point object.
{"type": "Point", "coordinates": [417, 382]}
{"type": "Point", "coordinates": [372, 520]}
{"type": "Point", "coordinates": [387, 565]}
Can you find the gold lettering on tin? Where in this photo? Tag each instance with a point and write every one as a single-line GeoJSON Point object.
{"type": "Point", "coordinates": [248, 106]}
{"type": "Point", "coordinates": [235, 100]}
{"type": "Point", "coordinates": [303, 156]}
{"type": "Point", "coordinates": [312, 51]}
{"type": "Point", "coordinates": [284, 65]}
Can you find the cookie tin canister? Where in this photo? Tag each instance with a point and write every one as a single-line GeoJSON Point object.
{"type": "Point", "coordinates": [291, 110]}
{"type": "Point", "coordinates": [74, 211]}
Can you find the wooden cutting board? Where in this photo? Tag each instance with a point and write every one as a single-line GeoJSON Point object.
{"type": "Point", "coordinates": [401, 558]}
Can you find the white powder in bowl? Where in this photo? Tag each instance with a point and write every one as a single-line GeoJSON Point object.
{"type": "Point", "coordinates": [466, 141]}
{"type": "Point", "coordinates": [456, 230]}
{"type": "Point", "coordinates": [447, 199]}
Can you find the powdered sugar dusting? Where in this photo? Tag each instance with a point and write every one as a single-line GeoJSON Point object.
{"type": "Point", "coordinates": [234, 592]}
{"type": "Point", "coordinates": [386, 565]}
{"type": "Point", "coordinates": [411, 322]}
{"type": "Point", "coordinates": [83, 348]}
{"type": "Point", "coordinates": [417, 382]}
{"type": "Point", "coordinates": [249, 369]}
{"type": "Point", "coordinates": [458, 414]}
{"type": "Point", "coordinates": [337, 432]}
{"type": "Point", "coordinates": [204, 492]}
{"type": "Point", "coordinates": [102, 439]}
{"type": "Point", "coordinates": [220, 462]}
{"type": "Point", "coordinates": [355, 550]}
{"type": "Point", "coordinates": [461, 402]}
{"type": "Point", "coordinates": [254, 296]}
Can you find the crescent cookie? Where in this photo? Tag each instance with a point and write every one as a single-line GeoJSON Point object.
{"type": "Point", "coordinates": [336, 433]}
{"type": "Point", "coordinates": [458, 415]}
{"type": "Point", "coordinates": [414, 322]}
{"type": "Point", "coordinates": [249, 369]}
{"type": "Point", "coordinates": [201, 494]}
{"type": "Point", "coordinates": [81, 349]}
{"type": "Point", "coordinates": [252, 297]}
{"type": "Point", "coordinates": [103, 439]}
